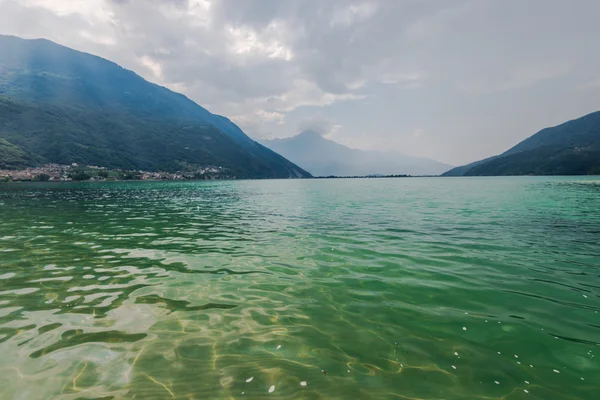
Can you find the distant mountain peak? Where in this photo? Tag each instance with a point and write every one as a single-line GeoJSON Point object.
{"type": "Point", "coordinates": [324, 157]}
{"type": "Point", "coordinates": [309, 134]}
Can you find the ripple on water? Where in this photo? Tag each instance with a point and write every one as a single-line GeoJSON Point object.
{"type": "Point", "coordinates": [337, 289]}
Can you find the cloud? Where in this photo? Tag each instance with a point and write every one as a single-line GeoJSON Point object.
{"type": "Point", "coordinates": [593, 84]}
{"type": "Point", "coordinates": [407, 80]}
{"type": "Point", "coordinates": [382, 69]}
{"type": "Point", "coordinates": [258, 44]}
{"type": "Point", "coordinates": [154, 67]}
{"type": "Point", "coordinates": [319, 124]}
{"type": "Point", "coordinates": [259, 116]}
{"type": "Point", "coordinates": [353, 13]}
{"type": "Point", "coordinates": [517, 77]}
{"type": "Point", "coordinates": [89, 9]}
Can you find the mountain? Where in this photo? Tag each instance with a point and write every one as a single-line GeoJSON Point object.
{"type": "Point", "coordinates": [572, 148]}
{"type": "Point", "coordinates": [12, 157]}
{"type": "Point", "coordinates": [62, 106]}
{"type": "Point", "coordinates": [323, 157]}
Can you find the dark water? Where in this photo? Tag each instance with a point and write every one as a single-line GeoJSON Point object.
{"type": "Point", "coordinates": [396, 288]}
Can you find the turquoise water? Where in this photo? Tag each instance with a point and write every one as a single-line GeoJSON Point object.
{"type": "Point", "coordinates": [456, 288]}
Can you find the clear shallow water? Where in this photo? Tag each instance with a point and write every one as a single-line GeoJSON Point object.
{"type": "Point", "coordinates": [398, 288]}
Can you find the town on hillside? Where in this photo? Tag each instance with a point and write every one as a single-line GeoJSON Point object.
{"type": "Point", "coordinates": [76, 172]}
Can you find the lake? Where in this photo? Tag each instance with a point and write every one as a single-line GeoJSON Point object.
{"type": "Point", "coordinates": [415, 288]}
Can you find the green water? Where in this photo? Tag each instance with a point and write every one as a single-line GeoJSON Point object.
{"type": "Point", "coordinates": [469, 288]}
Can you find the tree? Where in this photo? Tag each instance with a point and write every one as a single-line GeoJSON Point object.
{"type": "Point", "coordinates": [41, 178]}
{"type": "Point", "coordinates": [79, 174]}
{"type": "Point", "coordinates": [103, 174]}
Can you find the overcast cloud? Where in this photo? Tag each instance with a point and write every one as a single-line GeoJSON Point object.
{"type": "Point", "coordinates": [451, 80]}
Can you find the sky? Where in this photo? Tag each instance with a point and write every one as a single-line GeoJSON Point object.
{"type": "Point", "coordinates": [452, 80]}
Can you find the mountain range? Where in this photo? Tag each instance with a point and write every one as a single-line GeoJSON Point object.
{"type": "Point", "coordinates": [59, 105]}
{"type": "Point", "coordinates": [324, 157]}
{"type": "Point", "coordinates": [571, 148]}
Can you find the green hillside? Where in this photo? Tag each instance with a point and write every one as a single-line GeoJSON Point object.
{"type": "Point", "coordinates": [12, 156]}
{"type": "Point", "coordinates": [572, 148]}
{"type": "Point", "coordinates": [63, 106]}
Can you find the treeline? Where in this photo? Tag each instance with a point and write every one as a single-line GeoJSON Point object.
{"type": "Point", "coordinates": [362, 176]}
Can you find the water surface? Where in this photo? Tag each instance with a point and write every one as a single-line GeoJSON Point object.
{"type": "Point", "coordinates": [456, 288]}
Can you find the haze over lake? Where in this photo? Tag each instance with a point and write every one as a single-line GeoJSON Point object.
{"type": "Point", "coordinates": [462, 288]}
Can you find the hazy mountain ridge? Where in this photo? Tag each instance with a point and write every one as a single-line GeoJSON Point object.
{"type": "Point", "coordinates": [571, 148]}
{"type": "Point", "coordinates": [323, 157]}
{"type": "Point", "coordinates": [61, 105]}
